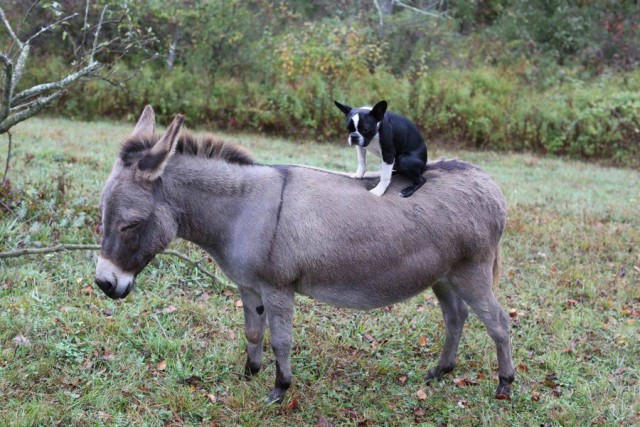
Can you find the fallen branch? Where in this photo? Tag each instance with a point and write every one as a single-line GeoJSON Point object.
{"type": "Point", "coordinates": [74, 247]}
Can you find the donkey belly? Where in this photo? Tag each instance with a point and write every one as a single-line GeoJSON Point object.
{"type": "Point", "coordinates": [372, 289]}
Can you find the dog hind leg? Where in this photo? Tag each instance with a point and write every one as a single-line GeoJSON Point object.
{"type": "Point", "coordinates": [411, 167]}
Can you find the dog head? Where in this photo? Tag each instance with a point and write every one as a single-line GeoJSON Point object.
{"type": "Point", "coordinates": [363, 123]}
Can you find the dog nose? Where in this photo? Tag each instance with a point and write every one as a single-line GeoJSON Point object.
{"type": "Point", "coordinates": [354, 136]}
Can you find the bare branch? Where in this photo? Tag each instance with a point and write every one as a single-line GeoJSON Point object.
{"type": "Point", "coordinates": [415, 9]}
{"type": "Point", "coordinates": [86, 20]}
{"type": "Point", "coordinates": [35, 108]}
{"type": "Point", "coordinates": [19, 68]}
{"type": "Point", "coordinates": [26, 15]}
{"type": "Point", "coordinates": [375, 2]}
{"type": "Point", "coordinates": [49, 27]}
{"type": "Point", "coordinates": [60, 84]}
{"type": "Point", "coordinates": [75, 247]}
{"type": "Point", "coordinates": [5, 103]}
{"type": "Point", "coordinates": [6, 166]}
{"type": "Point", "coordinates": [95, 39]}
{"type": "Point", "coordinates": [8, 25]}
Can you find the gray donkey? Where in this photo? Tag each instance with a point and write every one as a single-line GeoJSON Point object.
{"type": "Point", "coordinates": [278, 230]}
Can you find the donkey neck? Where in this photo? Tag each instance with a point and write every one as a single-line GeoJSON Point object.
{"type": "Point", "coordinates": [208, 196]}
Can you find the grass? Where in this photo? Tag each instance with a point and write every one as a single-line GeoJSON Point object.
{"type": "Point", "coordinates": [172, 352]}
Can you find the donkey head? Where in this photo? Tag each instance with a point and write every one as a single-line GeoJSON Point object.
{"type": "Point", "coordinates": [137, 221]}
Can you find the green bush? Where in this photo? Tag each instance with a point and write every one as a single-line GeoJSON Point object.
{"type": "Point", "coordinates": [487, 107]}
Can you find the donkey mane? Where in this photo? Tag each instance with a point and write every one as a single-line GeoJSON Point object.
{"type": "Point", "coordinates": [205, 146]}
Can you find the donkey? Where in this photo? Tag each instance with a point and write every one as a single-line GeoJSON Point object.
{"type": "Point", "coordinates": [278, 230]}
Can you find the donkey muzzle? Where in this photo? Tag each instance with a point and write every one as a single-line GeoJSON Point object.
{"type": "Point", "coordinates": [112, 280]}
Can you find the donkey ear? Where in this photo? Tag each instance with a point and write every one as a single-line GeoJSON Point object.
{"type": "Point", "coordinates": [153, 163]}
{"type": "Point", "coordinates": [146, 125]}
{"type": "Point", "coordinates": [344, 108]}
{"type": "Point", "coordinates": [378, 110]}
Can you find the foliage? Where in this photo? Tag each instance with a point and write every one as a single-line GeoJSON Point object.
{"type": "Point", "coordinates": [552, 76]}
{"type": "Point", "coordinates": [172, 352]}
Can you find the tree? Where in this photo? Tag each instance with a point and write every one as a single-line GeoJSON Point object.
{"type": "Point", "coordinates": [87, 50]}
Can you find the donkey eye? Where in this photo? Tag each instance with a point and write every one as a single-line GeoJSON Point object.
{"type": "Point", "coordinates": [131, 226]}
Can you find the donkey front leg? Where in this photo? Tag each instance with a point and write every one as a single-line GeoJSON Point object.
{"type": "Point", "coordinates": [254, 322]}
{"type": "Point", "coordinates": [279, 310]}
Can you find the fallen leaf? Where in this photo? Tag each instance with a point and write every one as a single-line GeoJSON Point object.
{"type": "Point", "coordinates": [463, 382]}
{"type": "Point", "coordinates": [192, 380]}
{"type": "Point", "coordinates": [323, 422]}
{"type": "Point", "coordinates": [293, 405]}
{"type": "Point", "coordinates": [79, 280]}
{"type": "Point", "coordinates": [238, 303]}
{"type": "Point", "coordinates": [168, 310]}
{"type": "Point", "coordinates": [461, 404]}
{"type": "Point", "coordinates": [571, 303]}
{"type": "Point", "coordinates": [212, 398]}
{"type": "Point", "coordinates": [162, 365]}
{"type": "Point", "coordinates": [513, 313]}
{"type": "Point", "coordinates": [107, 312]}
{"type": "Point", "coordinates": [421, 394]}
{"type": "Point", "coordinates": [535, 396]}
{"type": "Point", "coordinates": [503, 396]}
{"type": "Point", "coordinates": [556, 392]}
{"type": "Point", "coordinates": [87, 290]}
{"type": "Point", "coordinates": [402, 379]}
{"type": "Point", "coordinates": [423, 341]}
{"type": "Point", "coordinates": [228, 293]}
{"type": "Point", "coordinates": [21, 341]}
{"type": "Point", "coordinates": [107, 356]}
{"type": "Point", "coordinates": [523, 368]}
{"type": "Point", "coordinates": [104, 416]}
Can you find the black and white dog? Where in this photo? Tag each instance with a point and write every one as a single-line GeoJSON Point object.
{"type": "Point", "coordinates": [390, 136]}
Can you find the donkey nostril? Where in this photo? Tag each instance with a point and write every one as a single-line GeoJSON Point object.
{"type": "Point", "coordinates": [107, 287]}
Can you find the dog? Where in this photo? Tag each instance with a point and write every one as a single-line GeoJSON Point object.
{"type": "Point", "coordinates": [393, 138]}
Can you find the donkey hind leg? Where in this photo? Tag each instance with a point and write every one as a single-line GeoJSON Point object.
{"type": "Point", "coordinates": [254, 322]}
{"type": "Point", "coordinates": [473, 284]}
{"type": "Point", "coordinates": [279, 310]}
{"type": "Point", "coordinates": [454, 312]}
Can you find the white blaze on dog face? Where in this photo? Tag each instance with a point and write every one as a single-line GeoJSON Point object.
{"type": "Point", "coordinates": [355, 137]}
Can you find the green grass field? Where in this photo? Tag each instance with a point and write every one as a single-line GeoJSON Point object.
{"type": "Point", "coordinates": [173, 351]}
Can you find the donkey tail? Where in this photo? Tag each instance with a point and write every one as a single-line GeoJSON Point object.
{"type": "Point", "coordinates": [496, 268]}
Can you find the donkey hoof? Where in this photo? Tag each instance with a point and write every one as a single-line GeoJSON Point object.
{"type": "Point", "coordinates": [276, 396]}
{"type": "Point", "coordinates": [503, 391]}
{"type": "Point", "coordinates": [437, 373]}
{"type": "Point", "coordinates": [250, 370]}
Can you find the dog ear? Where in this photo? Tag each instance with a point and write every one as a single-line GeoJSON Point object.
{"type": "Point", "coordinates": [344, 108]}
{"type": "Point", "coordinates": [378, 110]}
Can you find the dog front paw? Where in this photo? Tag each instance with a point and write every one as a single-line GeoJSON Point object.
{"type": "Point", "coordinates": [378, 190]}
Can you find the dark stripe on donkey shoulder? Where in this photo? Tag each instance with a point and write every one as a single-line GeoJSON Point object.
{"type": "Point", "coordinates": [284, 172]}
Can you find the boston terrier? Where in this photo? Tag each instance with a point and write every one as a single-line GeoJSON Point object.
{"type": "Point", "coordinates": [390, 136]}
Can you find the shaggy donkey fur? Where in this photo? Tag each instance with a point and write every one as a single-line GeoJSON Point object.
{"type": "Point", "coordinates": [278, 230]}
